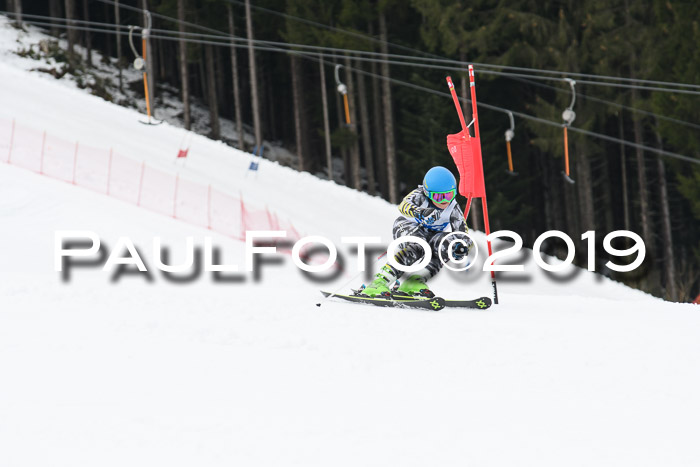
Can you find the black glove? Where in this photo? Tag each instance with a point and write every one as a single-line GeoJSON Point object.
{"type": "Point", "coordinates": [460, 248]}
{"type": "Point", "coordinates": [427, 215]}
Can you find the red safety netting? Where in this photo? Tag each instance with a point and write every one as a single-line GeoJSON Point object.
{"type": "Point", "coordinates": [157, 191]}
{"type": "Point", "coordinates": [133, 181]}
{"type": "Point", "coordinates": [124, 179]}
{"type": "Point", "coordinates": [192, 202]}
{"type": "Point", "coordinates": [59, 158]}
{"type": "Point", "coordinates": [92, 168]}
{"type": "Point", "coordinates": [27, 148]}
{"type": "Point", "coordinates": [225, 213]}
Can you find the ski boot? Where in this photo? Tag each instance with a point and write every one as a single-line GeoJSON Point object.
{"type": "Point", "coordinates": [414, 286]}
{"type": "Point", "coordinates": [380, 285]}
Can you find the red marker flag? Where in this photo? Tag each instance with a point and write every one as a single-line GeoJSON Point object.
{"type": "Point", "coordinates": [466, 152]}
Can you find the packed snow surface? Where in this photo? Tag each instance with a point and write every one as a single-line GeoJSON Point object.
{"type": "Point", "coordinates": [103, 369]}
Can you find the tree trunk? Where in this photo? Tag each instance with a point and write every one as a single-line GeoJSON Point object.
{"type": "Point", "coordinates": [667, 236]}
{"type": "Point", "coordinates": [556, 193]}
{"type": "Point", "coordinates": [108, 42]}
{"type": "Point", "coordinates": [571, 206]}
{"type": "Point", "coordinates": [119, 45]}
{"type": "Point", "coordinates": [326, 120]}
{"type": "Point", "coordinates": [236, 91]}
{"type": "Point", "coordinates": [164, 55]}
{"type": "Point", "coordinates": [219, 78]}
{"type": "Point", "coordinates": [355, 147]}
{"type": "Point", "coordinates": [388, 116]}
{"type": "Point", "coordinates": [269, 100]}
{"type": "Point", "coordinates": [623, 165]}
{"type": "Point", "coordinates": [296, 97]}
{"type": "Point", "coordinates": [18, 11]}
{"type": "Point", "coordinates": [88, 38]}
{"type": "Point", "coordinates": [55, 12]}
{"type": "Point", "coordinates": [202, 79]}
{"type": "Point", "coordinates": [637, 127]}
{"type": "Point", "coordinates": [70, 15]}
{"type": "Point", "coordinates": [211, 99]}
{"type": "Point", "coordinates": [253, 76]}
{"type": "Point", "coordinates": [184, 79]}
{"type": "Point", "coordinates": [379, 145]}
{"type": "Point", "coordinates": [365, 132]}
{"type": "Point", "coordinates": [642, 178]}
{"type": "Point", "coordinates": [605, 187]}
{"type": "Point", "coordinates": [584, 182]}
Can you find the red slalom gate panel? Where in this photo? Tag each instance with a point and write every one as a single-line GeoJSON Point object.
{"type": "Point", "coordinates": [226, 215]}
{"type": "Point", "coordinates": [191, 203]}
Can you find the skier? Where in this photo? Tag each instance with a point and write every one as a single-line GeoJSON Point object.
{"type": "Point", "coordinates": [429, 212]}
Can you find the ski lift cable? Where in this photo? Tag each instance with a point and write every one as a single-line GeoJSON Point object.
{"type": "Point", "coordinates": [421, 88]}
{"type": "Point", "coordinates": [273, 49]}
{"type": "Point", "coordinates": [462, 65]}
{"type": "Point", "coordinates": [534, 83]}
{"type": "Point", "coordinates": [423, 65]}
{"type": "Point", "coordinates": [526, 116]}
{"type": "Point", "coordinates": [430, 56]}
{"type": "Point", "coordinates": [332, 28]}
{"type": "Point", "coordinates": [480, 65]}
{"type": "Point", "coordinates": [611, 103]}
{"type": "Point", "coordinates": [66, 20]}
{"type": "Point", "coordinates": [456, 63]}
{"type": "Point", "coordinates": [165, 17]}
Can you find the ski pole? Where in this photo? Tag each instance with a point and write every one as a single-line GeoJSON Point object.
{"type": "Point", "coordinates": [348, 282]}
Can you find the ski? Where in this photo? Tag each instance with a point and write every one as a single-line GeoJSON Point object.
{"type": "Point", "coordinates": [480, 303]}
{"type": "Point", "coordinates": [433, 304]}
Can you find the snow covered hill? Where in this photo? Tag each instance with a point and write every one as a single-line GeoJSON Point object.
{"type": "Point", "coordinates": [144, 370]}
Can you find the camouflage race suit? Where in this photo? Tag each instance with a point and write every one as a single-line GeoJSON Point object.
{"type": "Point", "coordinates": [411, 222]}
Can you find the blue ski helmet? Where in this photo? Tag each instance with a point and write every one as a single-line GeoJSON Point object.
{"type": "Point", "coordinates": [439, 179]}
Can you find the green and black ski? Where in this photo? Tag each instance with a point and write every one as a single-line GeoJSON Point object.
{"type": "Point", "coordinates": [433, 304]}
{"type": "Point", "coordinates": [480, 303]}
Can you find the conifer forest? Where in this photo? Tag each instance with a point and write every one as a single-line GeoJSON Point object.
{"type": "Point", "coordinates": [627, 70]}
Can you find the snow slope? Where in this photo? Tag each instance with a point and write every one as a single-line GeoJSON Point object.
{"type": "Point", "coordinates": [249, 372]}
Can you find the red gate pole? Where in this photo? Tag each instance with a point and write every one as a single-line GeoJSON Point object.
{"type": "Point", "coordinates": [466, 136]}
{"type": "Point", "coordinates": [475, 117]}
{"type": "Point", "coordinates": [455, 99]}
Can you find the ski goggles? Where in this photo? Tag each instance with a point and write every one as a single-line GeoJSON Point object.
{"type": "Point", "coordinates": [442, 196]}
